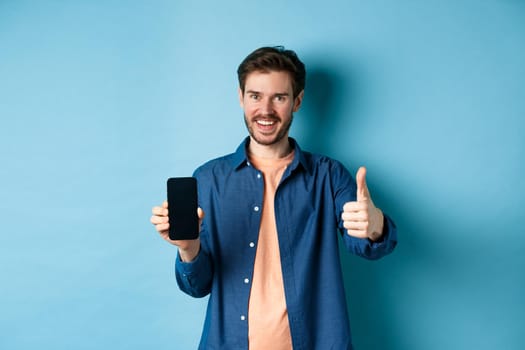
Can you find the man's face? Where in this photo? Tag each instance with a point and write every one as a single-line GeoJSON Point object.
{"type": "Point", "coordinates": [268, 106]}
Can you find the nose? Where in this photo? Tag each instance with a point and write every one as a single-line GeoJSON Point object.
{"type": "Point", "coordinates": [267, 106]}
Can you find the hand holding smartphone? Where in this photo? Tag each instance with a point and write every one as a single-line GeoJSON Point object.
{"type": "Point", "coordinates": [182, 208]}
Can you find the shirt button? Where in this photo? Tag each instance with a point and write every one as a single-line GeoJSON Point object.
{"type": "Point", "coordinates": [246, 281]}
{"type": "Point", "coordinates": [252, 244]}
{"type": "Point", "coordinates": [243, 317]}
{"type": "Point", "coordinates": [256, 208]}
{"type": "Point", "coordinates": [258, 176]}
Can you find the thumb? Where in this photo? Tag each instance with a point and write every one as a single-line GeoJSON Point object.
{"type": "Point", "coordinates": [362, 188]}
{"type": "Point", "coordinates": [200, 213]}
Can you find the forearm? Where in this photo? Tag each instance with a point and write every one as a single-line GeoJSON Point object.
{"type": "Point", "coordinates": [195, 276]}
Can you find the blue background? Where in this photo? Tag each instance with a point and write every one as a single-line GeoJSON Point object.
{"type": "Point", "coordinates": [102, 101]}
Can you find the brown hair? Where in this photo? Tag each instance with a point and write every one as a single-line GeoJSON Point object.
{"type": "Point", "coordinates": [276, 58]}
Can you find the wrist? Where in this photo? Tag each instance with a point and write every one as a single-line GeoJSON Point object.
{"type": "Point", "coordinates": [189, 252]}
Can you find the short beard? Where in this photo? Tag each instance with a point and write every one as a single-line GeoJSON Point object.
{"type": "Point", "coordinates": [281, 134]}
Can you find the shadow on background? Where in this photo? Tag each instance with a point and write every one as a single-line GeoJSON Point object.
{"type": "Point", "coordinates": [372, 309]}
{"type": "Point", "coordinates": [437, 289]}
{"type": "Point", "coordinates": [321, 105]}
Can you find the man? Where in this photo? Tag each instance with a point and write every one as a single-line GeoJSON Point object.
{"type": "Point", "coordinates": [270, 212]}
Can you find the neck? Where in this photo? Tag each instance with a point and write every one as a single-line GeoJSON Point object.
{"type": "Point", "coordinates": [276, 151]}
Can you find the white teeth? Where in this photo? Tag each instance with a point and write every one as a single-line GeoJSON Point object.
{"type": "Point", "coordinates": [265, 122]}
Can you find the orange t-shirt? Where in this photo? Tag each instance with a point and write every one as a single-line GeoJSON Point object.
{"type": "Point", "coordinates": [268, 326]}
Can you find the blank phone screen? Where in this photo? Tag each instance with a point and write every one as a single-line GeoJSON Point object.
{"type": "Point", "coordinates": [182, 208]}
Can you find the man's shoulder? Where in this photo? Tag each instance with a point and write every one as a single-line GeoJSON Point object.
{"type": "Point", "coordinates": [322, 167]}
{"type": "Point", "coordinates": [317, 161]}
{"type": "Point", "coordinates": [220, 164]}
{"type": "Point", "coordinates": [223, 164]}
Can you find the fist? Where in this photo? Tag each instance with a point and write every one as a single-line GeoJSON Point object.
{"type": "Point", "coordinates": [160, 219]}
{"type": "Point", "coordinates": [361, 218]}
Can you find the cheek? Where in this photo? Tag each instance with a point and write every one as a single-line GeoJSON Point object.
{"type": "Point", "coordinates": [285, 109]}
{"type": "Point", "coordinates": [249, 110]}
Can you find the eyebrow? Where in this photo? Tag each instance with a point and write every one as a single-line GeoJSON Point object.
{"type": "Point", "coordinates": [259, 93]}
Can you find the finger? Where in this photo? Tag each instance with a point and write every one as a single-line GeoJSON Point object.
{"type": "Point", "coordinates": [357, 225]}
{"type": "Point", "coordinates": [362, 188]}
{"type": "Point", "coordinates": [355, 216]}
{"type": "Point", "coordinates": [155, 219]}
{"type": "Point", "coordinates": [356, 233]}
{"type": "Point", "coordinates": [162, 228]}
{"type": "Point", "coordinates": [355, 206]}
{"type": "Point", "coordinates": [160, 211]}
{"type": "Point", "coordinates": [165, 204]}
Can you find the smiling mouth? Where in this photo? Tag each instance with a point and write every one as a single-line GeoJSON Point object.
{"type": "Point", "coordinates": [265, 122]}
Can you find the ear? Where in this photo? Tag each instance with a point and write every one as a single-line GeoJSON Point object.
{"type": "Point", "coordinates": [298, 100]}
{"type": "Point", "coordinates": [241, 98]}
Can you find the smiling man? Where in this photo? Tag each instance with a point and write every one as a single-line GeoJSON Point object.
{"type": "Point", "coordinates": [268, 101]}
{"type": "Point", "coordinates": [270, 212]}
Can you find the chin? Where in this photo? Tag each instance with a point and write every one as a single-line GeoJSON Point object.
{"type": "Point", "coordinates": [268, 141]}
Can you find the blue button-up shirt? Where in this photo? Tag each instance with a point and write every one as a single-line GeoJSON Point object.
{"type": "Point", "coordinates": [308, 205]}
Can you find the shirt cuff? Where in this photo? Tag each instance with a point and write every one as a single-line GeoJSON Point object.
{"type": "Point", "coordinates": [191, 267]}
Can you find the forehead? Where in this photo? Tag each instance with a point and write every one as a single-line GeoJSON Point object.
{"type": "Point", "coordinates": [271, 81]}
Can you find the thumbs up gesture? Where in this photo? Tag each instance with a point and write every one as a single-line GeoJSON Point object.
{"type": "Point", "coordinates": [361, 218]}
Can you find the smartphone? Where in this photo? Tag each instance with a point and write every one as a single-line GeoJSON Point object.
{"type": "Point", "coordinates": [182, 208]}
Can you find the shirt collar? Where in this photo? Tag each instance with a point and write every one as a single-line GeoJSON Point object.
{"type": "Point", "coordinates": [240, 157]}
